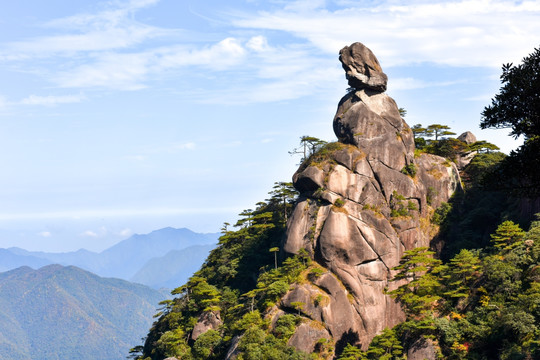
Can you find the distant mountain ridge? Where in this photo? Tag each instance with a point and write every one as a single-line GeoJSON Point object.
{"type": "Point", "coordinates": [60, 312]}
{"type": "Point", "coordinates": [165, 271]}
{"type": "Point", "coordinates": [125, 259]}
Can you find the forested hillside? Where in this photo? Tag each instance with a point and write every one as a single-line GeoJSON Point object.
{"type": "Point", "coordinates": [293, 277]}
{"type": "Point", "coordinates": [61, 312]}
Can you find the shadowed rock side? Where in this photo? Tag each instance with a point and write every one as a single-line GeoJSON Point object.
{"type": "Point", "coordinates": [364, 201]}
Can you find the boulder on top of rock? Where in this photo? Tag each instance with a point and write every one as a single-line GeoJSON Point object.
{"type": "Point", "coordinates": [467, 137]}
{"type": "Point", "coordinates": [364, 201]}
{"type": "Point", "coordinates": [362, 69]}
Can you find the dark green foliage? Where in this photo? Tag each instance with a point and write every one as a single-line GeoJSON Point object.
{"type": "Point", "coordinates": [400, 206]}
{"type": "Point", "coordinates": [206, 344]}
{"type": "Point", "coordinates": [441, 213]}
{"type": "Point", "coordinates": [507, 236]}
{"type": "Point", "coordinates": [481, 165]}
{"type": "Point", "coordinates": [520, 171]}
{"type": "Point", "coordinates": [517, 106]}
{"type": "Point", "coordinates": [409, 170]}
{"type": "Point", "coordinates": [438, 130]}
{"type": "Point", "coordinates": [476, 212]}
{"type": "Point", "coordinates": [351, 352]}
{"type": "Point", "coordinates": [339, 202]}
{"type": "Point", "coordinates": [385, 346]}
{"type": "Point", "coordinates": [419, 295]}
{"type": "Point", "coordinates": [448, 148]}
{"type": "Point", "coordinates": [483, 146]}
{"type": "Point", "coordinates": [239, 278]}
{"type": "Point", "coordinates": [480, 305]}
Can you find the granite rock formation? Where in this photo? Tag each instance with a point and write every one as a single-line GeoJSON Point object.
{"type": "Point", "coordinates": [465, 158]}
{"type": "Point", "coordinates": [364, 201]}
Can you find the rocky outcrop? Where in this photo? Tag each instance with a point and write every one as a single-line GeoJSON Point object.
{"type": "Point", "coordinates": [362, 68]}
{"type": "Point", "coordinates": [208, 320]}
{"type": "Point", "coordinates": [364, 201]}
{"type": "Point", "coordinates": [467, 137]}
{"type": "Point", "coordinates": [463, 159]}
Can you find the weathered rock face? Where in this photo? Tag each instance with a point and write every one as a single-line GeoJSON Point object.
{"type": "Point", "coordinates": [364, 201]}
{"type": "Point", "coordinates": [467, 137]}
{"type": "Point", "coordinates": [362, 68]}
{"type": "Point", "coordinates": [208, 320]}
{"type": "Point", "coordinates": [465, 158]}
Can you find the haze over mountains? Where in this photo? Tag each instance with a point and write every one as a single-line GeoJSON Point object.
{"type": "Point", "coordinates": [133, 259]}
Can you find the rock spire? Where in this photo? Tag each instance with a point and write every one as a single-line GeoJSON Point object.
{"type": "Point", "coordinates": [364, 201]}
{"type": "Point", "coordinates": [362, 69]}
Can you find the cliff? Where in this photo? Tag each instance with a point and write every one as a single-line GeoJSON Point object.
{"type": "Point", "coordinates": [360, 204]}
{"type": "Point", "coordinates": [363, 202]}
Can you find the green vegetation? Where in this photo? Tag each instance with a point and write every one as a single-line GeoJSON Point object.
{"type": "Point", "coordinates": [409, 170]}
{"type": "Point", "coordinates": [61, 312]}
{"type": "Point", "coordinates": [517, 107]}
{"type": "Point", "coordinates": [323, 154]}
{"type": "Point", "coordinates": [236, 284]}
{"type": "Point", "coordinates": [309, 145]}
{"type": "Point", "coordinates": [479, 298]}
{"type": "Point", "coordinates": [400, 206]}
{"type": "Point", "coordinates": [482, 304]}
{"type": "Point", "coordinates": [435, 139]}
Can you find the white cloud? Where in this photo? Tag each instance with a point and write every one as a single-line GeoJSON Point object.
{"type": "Point", "coordinates": [89, 233]}
{"type": "Point", "coordinates": [45, 234]}
{"type": "Point", "coordinates": [125, 232]}
{"type": "Point", "coordinates": [113, 50]}
{"type": "Point", "coordinates": [113, 28]}
{"type": "Point", "coordinates": [397, 84]}
{"type": "Point", "coordinates": [456, 33]}
{"type": "Point", "coordinates": [128, 71]}
{"type": "Point", "coordinates": [51, 100]}
{"type": "Point", "coordinates": [257, 43]}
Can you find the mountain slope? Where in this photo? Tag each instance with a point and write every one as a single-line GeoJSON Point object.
{"type": "Point", "coordinates": [61, 312]}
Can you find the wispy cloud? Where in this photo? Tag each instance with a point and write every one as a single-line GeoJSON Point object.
{"type": "Point", "coordinates": [113, 50]}
{"type": "Point", "coordinates": [89, 233]}
{"type": "Point", "coordinates": [125, 232]}
{"type": "Point", "coordinates": [455, 33]}
{"type": "Point", "coordinates": [412, 83]}
{"type": "Point", "coordinates": [128, 71]}
{"type": "Point", "coordinates": [45, 234]}
{"type": "Point", "coordinates": [51, 100]}
{"type": "Point", "coordinates": [113, 28]}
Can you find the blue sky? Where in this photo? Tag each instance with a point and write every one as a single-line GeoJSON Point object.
{"type": "Point", "coordinates": [122, 117]}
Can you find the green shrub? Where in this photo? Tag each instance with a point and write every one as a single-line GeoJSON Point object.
{"type": "Point", "coordinates": [409, 170]}
{"type": "Point", "coordinates": [440, 214]}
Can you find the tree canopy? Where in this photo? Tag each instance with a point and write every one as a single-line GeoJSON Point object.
{"type": "Point", "coordinates": [517, 106]}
